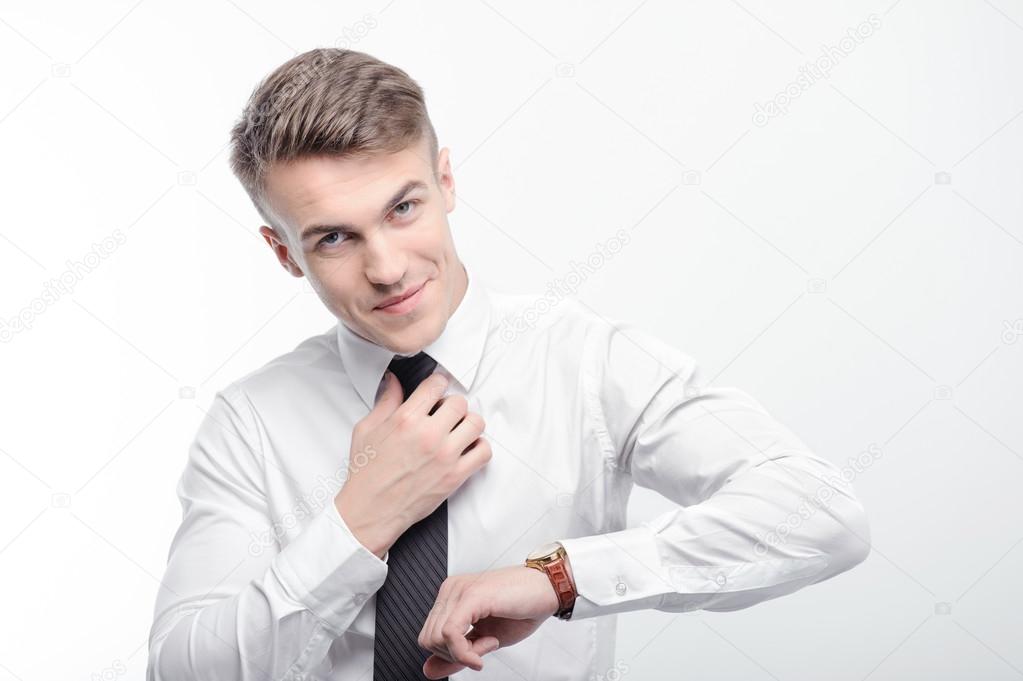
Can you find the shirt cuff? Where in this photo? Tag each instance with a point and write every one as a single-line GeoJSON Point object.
{"type": "Point", "coordinates": [623, 571]}
{"type": "Point", "coordinates": [615, 572]}
{"type": "Point", "coordinates": [329, 571]}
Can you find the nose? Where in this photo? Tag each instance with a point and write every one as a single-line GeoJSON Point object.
{"type": "Point", "coordinates": [385, 263]}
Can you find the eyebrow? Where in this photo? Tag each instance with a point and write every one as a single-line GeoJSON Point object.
{"type": "Point", "coordinates": [396, 198]}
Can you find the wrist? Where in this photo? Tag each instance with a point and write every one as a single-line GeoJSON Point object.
{"type": "Point", "coordinates": [545, 588]}
{"type": "Point", "coordinates": [552, 559]}
{"type": "Point", "coordinates": [368, 534]}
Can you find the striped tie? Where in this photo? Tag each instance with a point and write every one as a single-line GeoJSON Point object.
{"type": "Point", "coordinates": [416, 566]}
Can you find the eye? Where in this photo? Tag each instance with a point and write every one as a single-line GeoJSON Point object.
{"type": "Point", "coordinates": [328, 240]}
{"type": "Point", "coordinates": [404, 209]}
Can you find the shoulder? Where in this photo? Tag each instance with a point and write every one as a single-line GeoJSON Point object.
{"type": "Point", "coordinates": [539, 316]}
{"type": "Point", "coordinates": [619, 348]}
{"type": "Point", "coordinates": [309, 363]}
{"type": "Point", "coordinates": [604, 346]}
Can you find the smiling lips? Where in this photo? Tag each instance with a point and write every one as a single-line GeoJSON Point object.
{"type": "Point", "coordinates": [402, 303]}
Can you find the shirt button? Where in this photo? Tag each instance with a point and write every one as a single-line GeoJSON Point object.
{"type": "Point", "coordinates": [620, 588]}
{"type": "Point", "coordinates": [360, 598]}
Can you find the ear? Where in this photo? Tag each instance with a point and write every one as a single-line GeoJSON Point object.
{"type": "Point", "coordinates": [445, 179]}
{"type": "Point", "coordinates": [280, 248]}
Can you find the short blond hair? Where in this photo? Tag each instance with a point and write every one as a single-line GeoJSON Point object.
{"type": "Point", "coordinates": [326, 101]}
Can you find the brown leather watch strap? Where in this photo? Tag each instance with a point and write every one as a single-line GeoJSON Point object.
{"type": "Point", "coordinates": [563, 586]}
{"type": "Point", "coordinates": [557, 571]}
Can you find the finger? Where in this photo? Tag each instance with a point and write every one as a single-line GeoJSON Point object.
{"type": "Point", "coordinates": [473, 459]}
{"type": "Point", "coordinates": [461, 650]}
{"type": "Point", "coordinates": [432, 638]}
{"type": "Point", "coordinates": [428, 393]}
{"type": "Point", "coordinates": [450, 412]}
{"type": "Point", "coordinates": [437, 667]}
{"type": "Point", "coordinates": [425, 396]}
{"type": "Point", "coordinates": [465, 433]}
{"type": "Point", "coordinates": [426, 633]}
{"type": "Point", "coordinates": [387, 401]}
{"type": "Point", "coordinates": [438, 645]}
{"type": "Point", "coordinates": [485, 645]}
{"type": "Point", "coordinates": [451, 625]}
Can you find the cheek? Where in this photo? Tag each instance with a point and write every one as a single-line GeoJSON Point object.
{"type": "Point", "coordinates": [433, 227]}
{"type": "Point", "coordinates": [330, 284]}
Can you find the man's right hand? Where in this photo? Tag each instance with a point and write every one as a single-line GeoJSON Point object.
{"type": "Point", "coordinates": [407, 458]}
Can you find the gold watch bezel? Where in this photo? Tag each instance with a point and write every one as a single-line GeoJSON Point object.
{"type": "Point", "coordinates": [545, 554]}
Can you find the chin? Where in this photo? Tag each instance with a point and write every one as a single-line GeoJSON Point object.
{"type": "Point", "coordinates": [417, 342]}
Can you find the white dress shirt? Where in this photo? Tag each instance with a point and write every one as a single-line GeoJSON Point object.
{"type": "Point", "coordinates": [265, 581]}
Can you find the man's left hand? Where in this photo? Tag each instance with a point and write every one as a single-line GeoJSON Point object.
{"type": "Point", "coordinates": [502, 607]}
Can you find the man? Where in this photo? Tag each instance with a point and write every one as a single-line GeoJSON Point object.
{"type": "Point", "coordinates": [365, 506]}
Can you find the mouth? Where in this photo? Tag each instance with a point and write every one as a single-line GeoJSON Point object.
{"type": "Point", "coordinates": [403, 303]}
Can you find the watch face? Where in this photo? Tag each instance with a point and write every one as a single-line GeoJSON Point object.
{"type": "Point", "coordinates": [542, 551]}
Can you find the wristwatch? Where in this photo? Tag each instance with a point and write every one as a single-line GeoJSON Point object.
{"type": "Point", "coordinates": [552, 559]}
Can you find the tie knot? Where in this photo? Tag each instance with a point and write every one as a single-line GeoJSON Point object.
{"type": "Point", "coordinates": [411, 371]}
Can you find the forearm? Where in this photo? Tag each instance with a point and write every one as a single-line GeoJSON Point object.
{"type": "Point", "coordinates": [282, 622]}
{"type": "Point", "coordinates": [259, 633]}
{"type": "Point", "coordinates": [719, 554]}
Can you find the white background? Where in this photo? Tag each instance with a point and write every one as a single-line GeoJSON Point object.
{"type": "Point", "coordinates": [854, 263]}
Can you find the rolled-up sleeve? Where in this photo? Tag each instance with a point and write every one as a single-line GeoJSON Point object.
{"type": "Point", "coordinates": [758, 515]}
{"type": "Point", "coordinates": [232, 605]}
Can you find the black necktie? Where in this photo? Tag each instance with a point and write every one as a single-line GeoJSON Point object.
{"type": "Point", "coordinates": [416, 566]}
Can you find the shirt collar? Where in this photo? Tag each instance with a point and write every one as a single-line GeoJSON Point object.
{"type": "Point", "coordinates": [458, 349]}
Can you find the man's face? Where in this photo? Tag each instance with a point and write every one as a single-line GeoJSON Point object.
{"type": "Point", "coordinates": [364, 230]}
